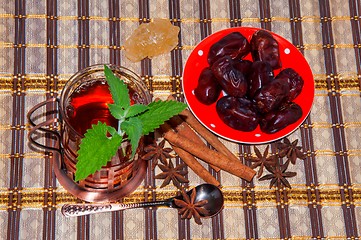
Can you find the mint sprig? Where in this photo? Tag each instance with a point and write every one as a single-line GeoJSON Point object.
{"type": "Point", "coordinates": [101, 142]}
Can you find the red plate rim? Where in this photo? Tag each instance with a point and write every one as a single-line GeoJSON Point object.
{"type": "Point", "coordinates": [207, 115]}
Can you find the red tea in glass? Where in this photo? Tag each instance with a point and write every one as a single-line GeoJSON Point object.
{"type": "Point", "coordinates": [84, 101]}
{"type": "Point", "coordinates": [89, 104]}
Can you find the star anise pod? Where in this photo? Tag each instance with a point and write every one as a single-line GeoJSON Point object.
{"type": "Point", "coordinates": [262, 161]}
{"type": "Point", "coordinates": [189, 207]}
{"type": "Point", "coordinates": [278, 175]}
{"type": "Point", "coordinates": [155, 152]}
{"type": "Point", "coordinates": [171, 173]}
{"type": "Point", "coordinates": [290, 150]}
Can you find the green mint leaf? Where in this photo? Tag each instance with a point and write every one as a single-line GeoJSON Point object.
{"type": "Point", "coordinates": [117, 111]}
{"type": "Point", "coordinates": [133, 128]}
{"type": "Point", "coordinates": [118, 88]}
{"type": "Point", "coordinates": [159, 112]}
{"type": "Point", "coordinates": [136, 109]}
{"type": "Point", "coordinates": [96, 149]}
{"type": "Point", "coordinates": [110, 129]}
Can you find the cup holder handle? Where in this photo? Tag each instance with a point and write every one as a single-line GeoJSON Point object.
{"type": "Point", "coordinates": [43, 127]}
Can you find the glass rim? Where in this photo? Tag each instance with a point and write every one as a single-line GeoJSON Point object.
{"type": "Point", "coordinates": [66, 91]}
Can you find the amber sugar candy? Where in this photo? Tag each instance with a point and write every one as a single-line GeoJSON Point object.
{"type": "Point", "coordinates": [151, 39]}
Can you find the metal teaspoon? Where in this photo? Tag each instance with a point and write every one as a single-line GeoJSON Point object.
{"type": "Point", "coordinates": [205, 191]}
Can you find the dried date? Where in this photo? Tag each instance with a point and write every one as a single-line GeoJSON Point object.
{"type": "Point", "coordinates": [295, 82]}
{"type": "Point", "coordinates": [208, 88]}
{"type": "Point", "coordinates": [260, 76]}
{"type": "Point", "coordinates": [238, 113]}
{"type": "Point", "coordinates": [234, 45]}
{"type": "Point", "coordinates": [272, 95]}
{"type": "Point", "coordinates": [244, 66]}
{"type": "Point", "coordinates": [278, 120]}
{"type": "Point", "coordinates": [265, 48]}
{"type": "Point", "coordinates": [233, 81]}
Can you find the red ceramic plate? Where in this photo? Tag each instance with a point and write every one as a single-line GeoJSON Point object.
{"type": "Point", "coordinates": [207, 115]}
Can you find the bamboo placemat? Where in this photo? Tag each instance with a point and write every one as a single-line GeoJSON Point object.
{"type": "Point", "coordinates": [42, 43]}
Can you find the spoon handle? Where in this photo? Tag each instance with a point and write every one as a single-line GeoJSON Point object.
{"type": "Point", "coordinates": [80, 209]}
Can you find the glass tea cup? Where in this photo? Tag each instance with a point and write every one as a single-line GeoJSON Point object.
{"type": "Point", "coordinates": [83, 102]}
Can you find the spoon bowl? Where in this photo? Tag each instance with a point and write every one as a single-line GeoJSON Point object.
{"type": "Point", "coordinates": [212, 194]}
{"type": "Point", "coordinates": [209, 192]}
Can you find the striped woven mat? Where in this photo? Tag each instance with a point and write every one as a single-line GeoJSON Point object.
{"type": "Point", "coordinates": [44, 42]}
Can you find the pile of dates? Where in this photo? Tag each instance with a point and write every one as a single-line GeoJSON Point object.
{"type": "Point", "coordinates": [254, 95]}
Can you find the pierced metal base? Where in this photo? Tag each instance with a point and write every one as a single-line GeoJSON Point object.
{"type": "Point", "coordinates": [98, 196]}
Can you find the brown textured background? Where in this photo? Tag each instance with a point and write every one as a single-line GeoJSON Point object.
{"type": "Point", "coordinates": [42, 43]}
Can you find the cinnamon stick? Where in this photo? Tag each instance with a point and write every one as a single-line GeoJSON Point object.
{"type": "Point", "coordinates": [191, 162]}
{"type": "Point", "coordinates": [205, 133]}
{"type": "Point", "coordinates": [208, 155]}
{"type": "Point", "coordinates": [183, 129]}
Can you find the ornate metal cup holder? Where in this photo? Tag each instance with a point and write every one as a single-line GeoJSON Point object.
{"type": "Point", "coordinates": [50, 130]}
